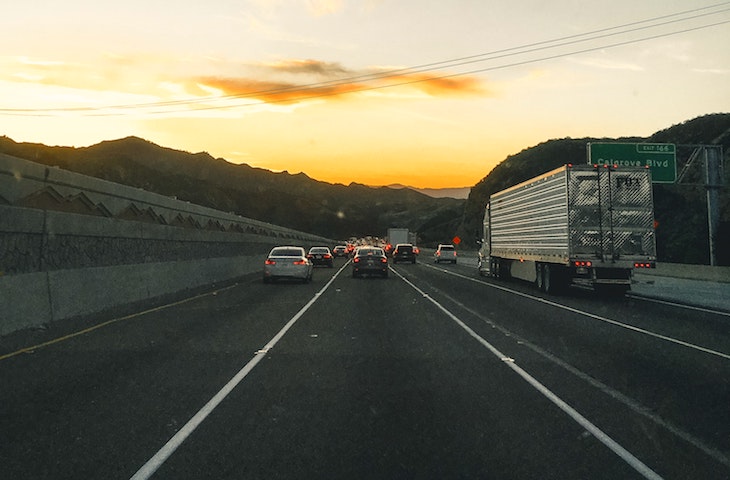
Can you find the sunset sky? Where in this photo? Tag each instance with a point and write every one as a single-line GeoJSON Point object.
{"type": "Point", "coordinates": [428, 93]}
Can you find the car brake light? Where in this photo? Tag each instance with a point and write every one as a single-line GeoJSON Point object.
{"type": "Point", "coordinates": [356, 260]}
{"type": "Point", "coordinates": [328, 255]}
{"type": "Point", "coordinates": [300, 262]}
{"type": "Point", "coordinates": [582, 263]}
{"type": "Point", "coordinates": [383, 260]}
{"type": "Point", "coordinates": [269, 262]}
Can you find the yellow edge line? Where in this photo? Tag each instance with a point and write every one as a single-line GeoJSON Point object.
{"type": "Point", "coordinates": [108, 322]}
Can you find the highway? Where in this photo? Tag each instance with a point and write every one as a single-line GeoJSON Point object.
{"type": "Point", "coordinates": [434, 372]}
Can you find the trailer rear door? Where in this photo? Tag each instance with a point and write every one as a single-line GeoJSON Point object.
{"type": "Point", "coordinates": [611, 214]}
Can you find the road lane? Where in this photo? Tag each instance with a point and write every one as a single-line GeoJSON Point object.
{"type": "Point", "coordinates": [96, 404]}
{"type": "Point", "coordinates": [372, 381]}
{"type": "Point", "coordinates": [154, 463]}
{"type": "Point", "coordinates": [685, 388]}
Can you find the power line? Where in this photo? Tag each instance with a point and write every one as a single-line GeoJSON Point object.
{"type": "Point", "coordinates": [315, 90]}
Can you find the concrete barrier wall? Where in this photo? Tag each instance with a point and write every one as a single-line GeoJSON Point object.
{"type": "Point", "coordinates": [73, 245]}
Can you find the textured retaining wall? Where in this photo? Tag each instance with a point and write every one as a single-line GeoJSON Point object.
{"type": "Point", "coordinates": [73, 245]}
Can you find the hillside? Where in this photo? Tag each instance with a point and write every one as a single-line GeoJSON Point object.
{"type": "Point", "coordinates": [340, 211]}
{"type": "Point", "coordinates": [680, 209]}
{"type": "Point", "coordinates": [295, 201]}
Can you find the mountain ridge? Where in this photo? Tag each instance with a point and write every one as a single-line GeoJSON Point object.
{"type": "Point", "coordinates": [299, 202]}
{"type": "Point", "coordinates": [340, 211]}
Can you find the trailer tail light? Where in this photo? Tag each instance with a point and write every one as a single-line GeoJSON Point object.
{"type": "Point", "coordinates": [582, 263]}
{"type": "Point", "coordinates": [644, 265]}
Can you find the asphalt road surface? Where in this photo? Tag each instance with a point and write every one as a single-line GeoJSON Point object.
{"type": "Point", "coordinates": [431, 373]}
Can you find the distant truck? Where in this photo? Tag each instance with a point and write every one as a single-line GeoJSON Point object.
{"type": "Point", "coordinates": [578, 224]}
{"type": "Point", "coordinates": [398, 235]}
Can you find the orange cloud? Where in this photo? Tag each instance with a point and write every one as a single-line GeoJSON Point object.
{"type": "Point", "coordinates": [275, 92]}
{"type": "Point", "coordinates": [311, 78]}
{"type": "Point", "coordinates": [443, 85]}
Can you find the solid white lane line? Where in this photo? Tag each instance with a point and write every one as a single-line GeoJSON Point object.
{"type": "Point", "coordinates": [630, 403]}
{"type": "Point", "coordinates": [680, 305]}
{"type": "Point", "coordinates": [594, 316]}
{"type": "Point", "coordinates": [614, 446]}
{"type": "Point", "coordinates": [154, 463]}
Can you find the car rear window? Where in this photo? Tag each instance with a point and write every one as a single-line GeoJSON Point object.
{"type": "Point", "coordinates": [405, 248]}
{"type": "Point", "coordinates": [286, 252]}
{"type": "Point", "coordinates": [447, 247]}
{"type": "Point", "coordinates": [364, 252]}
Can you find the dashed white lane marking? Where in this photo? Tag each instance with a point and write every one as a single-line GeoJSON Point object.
{"type": "Point", "coordinates": [614, 446]}
{"type": "Point", "coordinates": [154, 463]}
{"type": "Point", "coordinates": [598, 317]}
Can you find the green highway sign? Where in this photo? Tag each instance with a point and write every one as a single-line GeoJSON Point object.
{"type": "Point", "coordinates": [661, 158]}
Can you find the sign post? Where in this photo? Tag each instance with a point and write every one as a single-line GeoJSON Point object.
{"type": "Point", "coordinates": [661, 158]}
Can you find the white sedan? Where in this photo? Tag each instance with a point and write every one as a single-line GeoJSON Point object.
{"type": "Point", "coordinates": [287, 262]}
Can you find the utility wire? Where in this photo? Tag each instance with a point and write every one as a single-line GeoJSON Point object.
{"type": "Point", "coordinates": [315, 90]}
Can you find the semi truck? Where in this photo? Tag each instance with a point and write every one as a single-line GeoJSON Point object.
{"type": "Point", "coordinates": [398, 235]}
{"type": "Point", "coordinates": [588, 225]}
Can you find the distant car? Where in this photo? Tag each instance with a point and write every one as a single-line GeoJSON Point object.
{"type": "Point", "coordinates": [287, 262]}
{"type": "Point", "coordinates": [370, 261]}
{"type": "Point", "coordinates": [445, 253]}
{"type": "Point", "coordinates": [340, 251]}
{"type": "Point", "coordinates": [321, 256]}
{"type": "Point", "coordinates": [404, 252]}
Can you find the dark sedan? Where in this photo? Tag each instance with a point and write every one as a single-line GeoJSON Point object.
{"type": "Point", "coordinates": [321, 256]}
{"type": "Point", "coordinates": [370, 261]}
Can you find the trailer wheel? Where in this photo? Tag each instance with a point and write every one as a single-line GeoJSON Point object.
{"type": "Point", "coordinates": [505, 272]}
{"type": "Point", "coordinates": [540, 276]}
{"type": "Point", "coordinates": [548, 273]}
{"type": "Point", "coordinates": [554, 279]}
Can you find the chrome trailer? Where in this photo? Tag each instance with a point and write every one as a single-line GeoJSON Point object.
{"type": "Point", "coordinates": [578, 224]}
